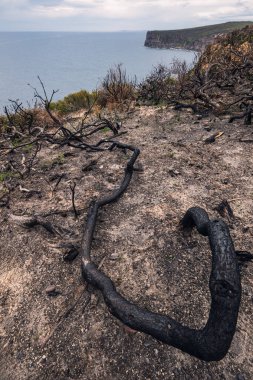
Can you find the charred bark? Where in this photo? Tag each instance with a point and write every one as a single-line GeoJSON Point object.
{"type": "Point", "coordinates": [213, 341]}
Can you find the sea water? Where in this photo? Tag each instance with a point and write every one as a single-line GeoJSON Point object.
{"type": "Point", "coordinates": [69, 62]}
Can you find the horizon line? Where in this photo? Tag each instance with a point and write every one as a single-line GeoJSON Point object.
{"type": "Point", "coordinates": [73, 31]}
{"type": "Point", "coordinates": [120, 30]}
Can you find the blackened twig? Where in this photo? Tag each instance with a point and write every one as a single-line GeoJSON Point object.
{"type": "Point", "coordinates": [72, 188]}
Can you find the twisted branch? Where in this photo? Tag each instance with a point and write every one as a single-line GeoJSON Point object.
{"type": "Point", "coordinates": [213, 341]}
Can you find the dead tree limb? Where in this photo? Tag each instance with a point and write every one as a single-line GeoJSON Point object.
{"type": "Point", "coordinates": [213, 341]}
{"type": "Point", "coordinates": [46, 102]}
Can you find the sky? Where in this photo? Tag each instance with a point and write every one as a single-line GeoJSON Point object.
{"type": "Point", "coordinates": [117, 15]}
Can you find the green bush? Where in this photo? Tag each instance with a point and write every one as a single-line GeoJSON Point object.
{"type": "Point", "coordinates": [7, 175]}
{"type": "Point", "coordinates": [74, 102]}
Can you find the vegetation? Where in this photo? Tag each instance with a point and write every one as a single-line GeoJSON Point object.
{"type": "Point", "coordinates": [75, 101]}
{"type": "Point", "coordinates": [157, 85]}
{"type": "Point", "coordinates": [5, 175]}
{"type": "Point", "coordinates": [192, 38]}
{"type": "Point", "coordinates": [117, 87]}
{"type": "Point", "coordinates": [220, 81]}
{"type": "Point", "coordinates": [163, 82]}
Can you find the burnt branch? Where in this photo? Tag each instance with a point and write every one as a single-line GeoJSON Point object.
{"type": "Point", "coordinates": [46, 102]}
{"type": "Point", "coordinates": [96, 205]}
{"type": "Point", "coordinates": [36, 220]}
{"type": "Point", "coordinates": [72, 188]}
{"type": "Point", "coordinates": [30, 162]}
{"type": "Point", "coordinates": [213, 341]}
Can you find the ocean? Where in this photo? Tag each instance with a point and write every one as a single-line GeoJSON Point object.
{"type": "Point", "coordinates": [69, 62]}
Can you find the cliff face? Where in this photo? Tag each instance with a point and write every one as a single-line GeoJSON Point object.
{"type": "Point", "coordinates": [155, 39]}
{"type": "Point", "coordinates": [193, 38]}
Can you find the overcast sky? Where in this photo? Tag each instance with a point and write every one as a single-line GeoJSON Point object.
{"type": "Point", "coordinates": [114, 15]}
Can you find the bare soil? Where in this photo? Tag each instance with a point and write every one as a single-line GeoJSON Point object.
{"type": "Point", "coordinates": [138, 242]}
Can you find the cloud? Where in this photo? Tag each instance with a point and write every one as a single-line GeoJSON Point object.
{"type": "Point", "coordinates": [118, 14]}
{"type": "Point", "coordinates": [228, 10]}
{"type": "Point", "coordinates": [46, 3]}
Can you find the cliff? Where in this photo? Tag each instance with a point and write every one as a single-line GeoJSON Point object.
{"type": "Point", "coordinates": [191, 38]}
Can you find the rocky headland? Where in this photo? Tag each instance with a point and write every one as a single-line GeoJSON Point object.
{"type": "Point", "coordinates": [191, 38]}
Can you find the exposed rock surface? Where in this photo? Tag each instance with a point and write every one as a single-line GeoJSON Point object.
{"type": "Point", "coordinates": [154, 39]}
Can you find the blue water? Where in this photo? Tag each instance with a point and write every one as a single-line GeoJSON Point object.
{"type": "Point", "coordinates": [72, 61]}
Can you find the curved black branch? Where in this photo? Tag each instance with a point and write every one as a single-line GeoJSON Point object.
{"type": "Point", "coordinates": [196, 216]}
{"type": "Point", "coordinates": [213, 341]}
{"type": "Point", "coordinates": [95, 205]}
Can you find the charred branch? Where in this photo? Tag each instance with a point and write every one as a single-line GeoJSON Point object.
{"type": "Point", "coordinates": [36, 220]}
{"type": "Point", "coordinates": [72, 188]}
{"type": "Point", "coordinates": [213, 341]}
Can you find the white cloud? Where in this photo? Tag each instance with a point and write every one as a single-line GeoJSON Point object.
{"type": "Point", "coordinates": [119, 14]}
{"type": "Point", "coordinates": [54, 12]}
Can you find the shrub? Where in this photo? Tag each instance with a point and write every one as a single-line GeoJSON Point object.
{"type": "Point", "coordinates": [117, 87]}
{"type": "Point", "coordinates": [3, 123]}
{"type": "Point", "coordinates": [157, 85]}
{"type": "Point", "coordinates": [74, 102]}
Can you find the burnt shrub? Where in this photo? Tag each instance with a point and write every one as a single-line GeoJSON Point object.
{"type": "Point", "coordinates": [155, 88]}
{"type": "Point", "coordinates": [117, 86]}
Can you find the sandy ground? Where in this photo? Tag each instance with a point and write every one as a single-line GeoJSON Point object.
{"type": "Point", "coordinates": [138, 242]}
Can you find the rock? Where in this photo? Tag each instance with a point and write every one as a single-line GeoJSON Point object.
{"type": "Point", "coordinates": [114, 256]}
{"type": "Point", "coordinates": [173, 172]}
{"type": "Point", "coordinates": [51, 291]}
